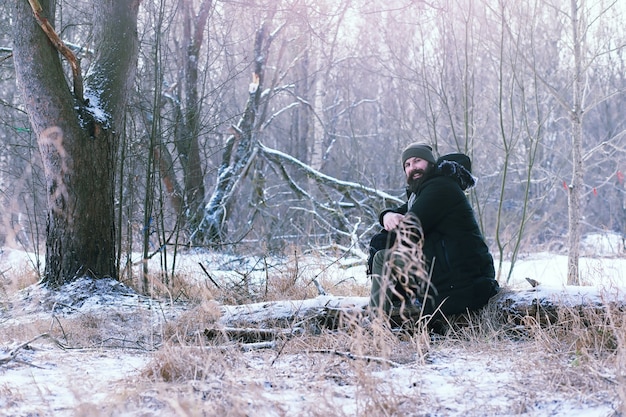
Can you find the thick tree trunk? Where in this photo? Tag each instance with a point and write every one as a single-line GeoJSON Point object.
{"type": "Point", "coordinates": [78, 139]}
{"type": "Point", "coordinates": [80, 238]}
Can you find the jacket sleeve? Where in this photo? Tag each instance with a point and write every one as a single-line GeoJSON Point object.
{"type": "Point", "coordinates": [401, 210]}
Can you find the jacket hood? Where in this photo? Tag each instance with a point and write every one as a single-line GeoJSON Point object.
{"type": "Point", "coordinates": [457, 166]}
{"type": "Point", "coordinates": [456, 171]}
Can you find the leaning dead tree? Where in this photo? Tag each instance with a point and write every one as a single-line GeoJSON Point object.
{"type": "Point", "coordinates": [243, 148]}
{"type": "Point", "coordinates": [239, 151]}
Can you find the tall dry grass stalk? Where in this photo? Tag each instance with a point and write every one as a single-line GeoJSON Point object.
{"type": "Point", "coordinates": [405, 280]}
{"type": "Point", "coordinates": [617, 324]}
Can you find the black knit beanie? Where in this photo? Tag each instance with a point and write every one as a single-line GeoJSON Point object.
{"type": "Point", "coordinates": [418, 150]}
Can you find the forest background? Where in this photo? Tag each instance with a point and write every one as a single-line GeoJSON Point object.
{"type": "Point", "coordinates": [258, 127]}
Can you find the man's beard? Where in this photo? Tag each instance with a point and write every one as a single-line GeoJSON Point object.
{"type": "Point", "coordinates": [414, 183]}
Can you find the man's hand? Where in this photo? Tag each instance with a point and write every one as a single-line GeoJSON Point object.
{"type": "Point", "coordinates": [391, 220]}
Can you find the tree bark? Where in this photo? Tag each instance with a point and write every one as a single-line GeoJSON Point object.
{"type": "Point", "coordinates": [575, 189]}
{"type": "Point", "coordinates": [188, 132]}
{"type": "Point", "coordinates": [78, 139]}
{"type": "Point", "coordinates": [319, 130]}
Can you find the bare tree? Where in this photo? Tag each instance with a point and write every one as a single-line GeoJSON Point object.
{"type": "Point", "coordinates": [188, 110]}
{"type": "Point", "coordinates": [580, 19]}
{"type": "Point", "coordinates": [78, 130]}
{"type": "Point", "coordinates": [576, 110]}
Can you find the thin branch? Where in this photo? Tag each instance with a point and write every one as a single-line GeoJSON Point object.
{"type": "Point", "coordinates": [354, 357]}
{"type": "Point", "coordinates": [209, 275]}
{"type": "Point", "coordinates": [9, 52]}
{"type": "Point", "coordinates": [13, 353]}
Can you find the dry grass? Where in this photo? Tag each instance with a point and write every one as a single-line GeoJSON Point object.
{"type": "Point", "coordinates": [581, 355]}
{"type": "Point", "coordinates": [13, 281]}
{"type": "Point", "coordinates": [353, 370]}
{"type": "Point", "coordinates": [571, 358]}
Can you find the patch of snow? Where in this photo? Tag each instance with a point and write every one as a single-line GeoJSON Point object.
{"type": "Point", "coordinates": [95, 106]}
{"type": "Point", "coordinates": [59, 380]}
{"type": "Point", "coordinates": [551, 269]}
{"type": "Point", "coordinates": [604, 244]}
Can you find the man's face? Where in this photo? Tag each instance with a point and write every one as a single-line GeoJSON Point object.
{"type": "Point", "coordinates": [415, 168]}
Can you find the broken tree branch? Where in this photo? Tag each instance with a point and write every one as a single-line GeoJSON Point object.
{"type": "Point", "coordinates": [339, 185]}
{"type": "Point", "coordinates": [47, 28]}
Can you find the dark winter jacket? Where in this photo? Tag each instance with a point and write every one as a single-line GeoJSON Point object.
{"type": "Point", "coordinates": [461, 266]}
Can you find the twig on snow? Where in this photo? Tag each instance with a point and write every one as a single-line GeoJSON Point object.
{"type": "Point", "coordinates": [354, 357]}
{"type": "Point", "coordinates": [11, 356]}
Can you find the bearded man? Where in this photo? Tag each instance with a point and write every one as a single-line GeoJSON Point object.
{"type": "Point", "coordinates": [456, 258]}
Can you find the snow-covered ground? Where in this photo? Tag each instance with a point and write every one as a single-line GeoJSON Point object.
{"type": "Point", "coordinates": [498, 378]}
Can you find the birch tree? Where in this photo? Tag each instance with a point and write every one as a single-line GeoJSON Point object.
{"type": "Point", "coordinates": [580, 18]}
{"type": "Point", "coordinates": [575, 188]}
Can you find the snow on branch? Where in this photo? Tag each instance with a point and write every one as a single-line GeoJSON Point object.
{"type": "Point", "coordinates": [328, 212]}
{"type": "Point", "coordinates": [339, 185]}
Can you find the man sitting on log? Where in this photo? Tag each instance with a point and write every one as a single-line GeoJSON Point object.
{"type": "Point", "coordinates": [455, 274]}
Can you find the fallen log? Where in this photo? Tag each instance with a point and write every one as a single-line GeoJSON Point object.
{"type": "Point", "coordinates": [548, 305]}
{"type": "Point", "coordinates": [310, 314]}
{"type": "Point", "coordinates": [544, 305]}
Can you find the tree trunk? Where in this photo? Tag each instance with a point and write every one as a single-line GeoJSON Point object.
{"type": "Point", "coordinates": [298, 145]}
{"type": "Point", "coordinates": [319, 130]}
{"type": "Point", "coordinates": [78, 139]}
{"type": "Point", "coordinates": [576, 187]}
{"type": "Point", "coordinates": [187, 140]}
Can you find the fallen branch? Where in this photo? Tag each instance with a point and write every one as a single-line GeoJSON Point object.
{"type": "Point", "coordinates": [340, 185]}
{"type": "Point", "coordinates": [247, 347]}
{"type": "Point", "coordinates": [11, 356]}
{"type": "Point", "coordinates": [354, 357]}
{"type": "Point", "coordinates": [250, 335]}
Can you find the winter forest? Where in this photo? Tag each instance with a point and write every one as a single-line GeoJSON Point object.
{"type": "Point", "coordinates": [258, 127]}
